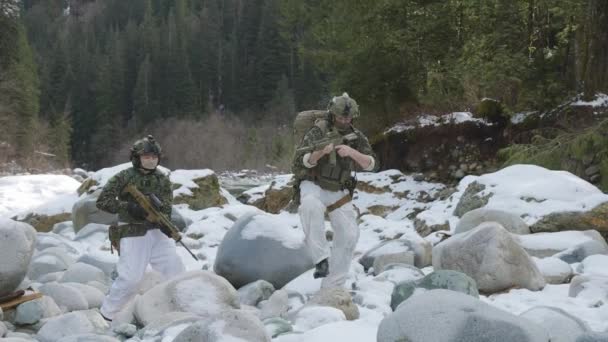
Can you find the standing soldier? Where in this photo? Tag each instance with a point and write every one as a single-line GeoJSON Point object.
{"type": "Point", "coordinates": [328, 184]}
{"type": "Point", "coordinates": [137, 240]}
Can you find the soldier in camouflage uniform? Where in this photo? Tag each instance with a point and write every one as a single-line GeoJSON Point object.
{"type": "Point", "coordinates": [326, 186]}
{"type": "Point", "coordinates": [137, 240]}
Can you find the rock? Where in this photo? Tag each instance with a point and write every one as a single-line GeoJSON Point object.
{"type": "Point", "coordinates": [460, 317]}
{"type": "Point", "coordinates": [50, 260]}
{"type": "Point", "coordinates": [554, 270]}
{"type": "Point", "coordinates": [397, 251]}
{"type": "Point", "coordinates": [179, 220]}
{"type": "Point", "coordinates": [593, 337]}
{"type": "Point", "coordinates": [17, 241]}
{"type": "Point", "coordinates": [592, 287]}
{"type": "Point", "coordinates": [398, 273]}
{"type": "Point", "coordinates": [277, 326]}
{"type": "Point", "coordinates": [204, 193]}
{"type": "Point", "coordinates": [559, 325]}
{"type": "Point", "coordinates": [93, 295]}
{"type": "Point", "coordinates": [592, 170]}
{"type": "Point", "coordinates": [91, 229]}
{"type": "Point", "coordinates": [165, 321]}
{"type": "Point", "coordinates": [85, 211]}
{"type": "Point", "coordinates": [511, 222]}
{"type": "Point", "coordinates": [471, 199]}
{"type": "Point", "coordinates": [44, 223]}
{"type": "Point", "coordinates": [594, 265]}
{"type": "Point", "coordinates": [89, 338]}
{"type": "Point", "coordinates": [425, 229]}
{"type": "Point", "coordinates": [83, 273]}
{"type": "Point", "coordinates": [276, 306]}
{"type": "Point", "coordinates": [3, 329]}
{"type": "Point", "coordinates": [33, 311]}
{"type": "Point", "coordinates": [66, 297]}
{"type": "Point", "coordinates": [71, 324]}
{"type": "Point", "coordinates": [311, 317]}
{"type": "Point", "coordinates": [490, 256]}
{"type": "Point", "coordinates": [596, 219]}
{"type": "Point", "coordinates": [277, 196]}
{"type": "Point", "coordinates": [126, 330]}
{"type": "Point", "coordinates": [543, 245]}
{"type": "Point", "coordinates": [581, 251]}
{"type": "Point", "coordinates": [277, 253]}
{"type": "Point", "coordinates": [1, 315]}
{"type": "Point", "coordinates": [107, 265]}
{"type": "Point", "coordinates": [49, 240]}
{"type": "Point", "coordinates": [381, 261]}
{"type": "Point", "coordinates": [440, 279]}
{"type": "Point", "coordinates": [337, 298]}
{"type": "Point", "coordinates": [198, 292]}
{"type": "Point", "coordinates": [231, 325]}
{"type": "Point", "coordinates": [254, 293]}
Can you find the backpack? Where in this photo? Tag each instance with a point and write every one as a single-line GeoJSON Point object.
{"type": "Point", "coordinates": [305, 120]}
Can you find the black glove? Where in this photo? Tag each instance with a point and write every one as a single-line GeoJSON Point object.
{"type": "Point", "coordinates": [136, 211]}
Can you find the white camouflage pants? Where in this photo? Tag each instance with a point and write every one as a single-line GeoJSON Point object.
{"type": "Point", "coordinates": [154, 248]}
{"type": "Point", "coordinates": [314, 201]}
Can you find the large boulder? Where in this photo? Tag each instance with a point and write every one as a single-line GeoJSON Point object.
{"type": "Point", "coordinates": [67, 298]}
{"type": "Point", "coordinates": [85, 211]}
{"type": "Point", "coordinates": [252, 294]}
{"type": "Point", "coordinates": [230, 325]}
{"type": "Point", "coordinates": [33, 311]}
{"type": "Point", "coordinates": [559, 325]}
{"type": "Point", "coordinates": [271, 198]}
{"type": "Point", "coordinates": [490, 256]}
{"type": "Point", "coordinates": [459, 317]}
{"type": "Point", "coordinates": [440, 279]}
{"type": "Point", "coordinates": [198, 292]}
{"type": "Point", "coordinates": [511, 222]}
{"type": "Point", "coordinates": [83, 273]}
{"type": "Point", "coordinates": [581, 251]}
{"type": "Point", "coordinates": [71, 324]}
{"type": "Point", "coordinates": [596, 219]}
{"type": "Point", "coordinates": [399, 251]}
{"type": "Point", "coordinates": [17, 242]}
{"type": "Point", "coordinates": [200, 189]}
{"type": "Point", "coordinates": [593, 337]}
{"type": "Point", "coordinates": [50, 260]}
{"type": "Point", "coordinates": [260, 246]}
{"type": "Point", "coordinates": [554, 270]}
{"type": "Point", "coordinates": [472, 198]}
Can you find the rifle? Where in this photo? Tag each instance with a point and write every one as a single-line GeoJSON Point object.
{"type": "Point", "coordinates": [150, 205]}
{"type": "Point", "coordinates": [332, 137]}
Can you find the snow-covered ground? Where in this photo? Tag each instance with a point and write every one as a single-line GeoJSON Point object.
{"type": "Point", "coordinates": [528, 191]}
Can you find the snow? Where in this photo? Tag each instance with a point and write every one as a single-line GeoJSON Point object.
{"type": "Point", "coordinates": [529, 191]}
{"type": "Point", "coordinates": [186, 179]}
{"type": "Point", "coordinates": [600, 100]}
{"type": "Point", "coordinates": [41, 194]}
{"type": "Point", "coordinates": [266, 226]}
{"type": "Point", "coordinates": [434, 120]}
{"type": "Point", "coordinates": [518, 118]}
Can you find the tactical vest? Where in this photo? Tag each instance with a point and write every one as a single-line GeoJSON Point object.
{"type": "Point", "coordinates": [332, 177]}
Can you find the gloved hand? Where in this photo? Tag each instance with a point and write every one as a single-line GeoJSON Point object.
{"type": "Point", "coordinates": [136, 211]}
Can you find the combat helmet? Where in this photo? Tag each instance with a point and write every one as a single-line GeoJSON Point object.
{"type": "Point", "coordinates": [145, 145]}
{"type": "Point", "coordinates": [343, 106]}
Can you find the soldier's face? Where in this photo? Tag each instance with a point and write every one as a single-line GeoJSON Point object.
{"type": "Point", "coordinates": [149, 161]}
{"type": "Point", "coordinates": [343, 122]}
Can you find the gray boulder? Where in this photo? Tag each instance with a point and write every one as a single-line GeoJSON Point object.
{"type": "Point", "coordinates": [276, 306]}
{"type": "Point", "coordinates": [490, 256]}
{"type": "Point", "coordinates": [85, 211]}
{"type": "Point", "coordinates": [50, 260]}
{"type": "Point", "coordinates": [460, 318]}
{"type": "Point", "coordinates": [201, 293]}
{"type": "Point", "coordinates": [156, 328]}
{"type": "Point", "coordinates": [66, 297]}
{"type": "Point", "coordinates": [398, 273]}
{"type": "Point", "coordinates": [33, 311]}
{"type": "Point", "coordinates": [542, 245]}
{"type": "Point", "coordinates": [93, 295]}
{"type": "Point", "coordinates": [17, 241]}
{"type": "Point", "coordinates": [511, 222]}
{"type": "Point", "coordinates": [559, 325]}
{"type": "Point", "coordinates": [179, 220]}
{"type": "Point", "coordinates": [89, 338]}
{"type": "Point", "coordinates": [48, 240]}
{"type": "Point", "coordinates": [273, 252]}
{"type": "Point", "coordinates": [3, 329]}
{"type": "Point", "coordinates": [252, 294]}
{"type": "Point", "coordinates": [590, 287]}
{"type": "Point", "coordinates": [399, 251]}
{"type": "Point", "coordinates": [440, 279]}
{"type": "Point", "coordinates": [229, 325]}
{"type": "Point", "coordinates": [107, 266]}
{"type": "Point", "coordinates": [72, 324]}
{"type": "Point", "coordinates": [83, 273]}
{"type": "Point", "coordinates": [90, 230]}
{"type": "Point", "coordinates": [471, 199]}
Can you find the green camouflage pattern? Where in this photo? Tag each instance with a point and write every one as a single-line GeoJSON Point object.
{"type": "Point", "coordinates": [327, 176]}
{"type": "Point", "coordinates": [114, 200]}
{"type": "Point", "coordinates": [343, 106]}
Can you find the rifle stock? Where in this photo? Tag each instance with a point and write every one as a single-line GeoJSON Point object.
{"type": "Point", "coordinates": [155, 216]}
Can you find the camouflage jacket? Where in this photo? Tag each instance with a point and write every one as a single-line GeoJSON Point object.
{"type": "Point", "coordinates": [335, 178]}
{"type": "Point", "coordinates": [113, 200]}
